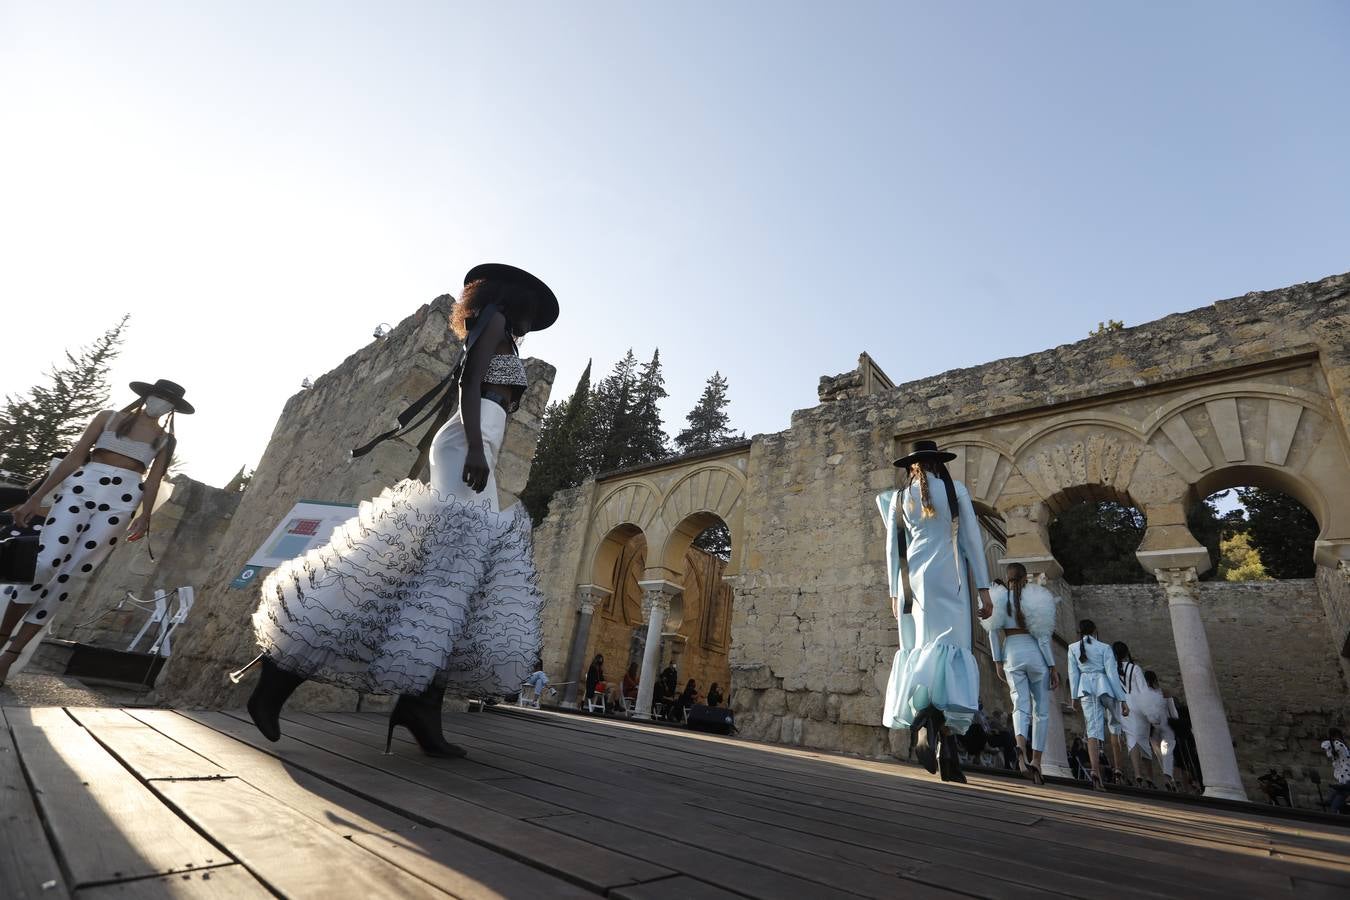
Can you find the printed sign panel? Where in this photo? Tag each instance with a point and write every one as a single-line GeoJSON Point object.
{"type": "Point", "coordinates": [308, 525]}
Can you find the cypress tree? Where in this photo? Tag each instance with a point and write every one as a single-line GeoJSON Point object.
{"type": "Point", "coordinates": [50, 418]}
{"type": "Point", "coordinates": [648, 441]}
{"type": "Point", "coordinates": [560, 459]}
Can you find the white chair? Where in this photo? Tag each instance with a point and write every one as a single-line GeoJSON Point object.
{"type": "Point", "coordinates": [528, 701]}
{"type": "Point", "coordinates": [596, 702]}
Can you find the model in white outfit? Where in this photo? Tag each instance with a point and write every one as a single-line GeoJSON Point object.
{"type": "Point", "coordinates": [1147, 710]}
{"type": "Point", "coordinates": [1019, 641]}
{"type": "Point", "coordinates": [1095, 684]}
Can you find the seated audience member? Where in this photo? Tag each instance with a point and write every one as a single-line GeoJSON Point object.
{"type": "Point", "coordinates": [1002, 738]}
{"type": "Point", "coordinates": [1339, 753]}
{"type": "Point", "coordinates": [630, 683]}
{"type": "Point", "coordinates": [688, 698]}
{"type": "Point", "coordinates": [714, 695]}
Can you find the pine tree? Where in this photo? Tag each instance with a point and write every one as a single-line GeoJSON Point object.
{"type": "Point", "coordinates": [709, 424]}
{"type": "Point", "coordinates": [560, 459]}
{"type": "Point", "coordinates": [612, 423]}
{"type": "Point", "coordinates": [50, 418]}
{"type": "Point", "coordinates": [648, 442]}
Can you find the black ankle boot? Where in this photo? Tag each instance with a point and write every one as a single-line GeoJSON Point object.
{"type": "Point", "coordinates": [949, 762]}
{"type": "Point", "coordinates": [275, 686]}
{"type": "Point", "coordinates": [421, 714]}
{"type": "Point", "coordinates": [924, 737]}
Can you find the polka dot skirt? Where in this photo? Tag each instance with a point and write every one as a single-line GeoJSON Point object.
{"type": "Point", "coordinates": [90, 513]}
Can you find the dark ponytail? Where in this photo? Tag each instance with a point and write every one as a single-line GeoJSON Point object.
{"type": "Point", "coordinates": [1087, 628]}
{"type": "Point", "coordinates": [1017, 579]}
{"type": "Point", "coordinates": [1121, 650]}
{"type": "Point", "coordinates": [1151, 679]}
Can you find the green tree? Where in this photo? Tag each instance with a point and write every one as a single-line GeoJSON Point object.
{"type": "Point", "coordinates": [1282, 532]}
{"type": "Point", "coordinates": [52, 415]}
{"type": "Point", "coordinates": [612, 417]}
{"type": "Point", "coordinates": [1239, 561]}
{"type": "Point", "coordinates": [648, 442]}
{"type": "Point", "coordinates": [709, 423]}
{"type": "Point", "coordinates": [1106, 327]}
{"type": "Point", "coordinates": [560, 460]}
{"type": "Point", "coordinates": [1095, 543]}
{"type": "Point", "coordinates": [1211, 527]}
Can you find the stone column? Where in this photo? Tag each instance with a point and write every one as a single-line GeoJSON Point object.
{"type": "Point", "coordinates": [1056, 758]}
{"type": "Point", "coordinates": [589, 596]}
{"type": "Point", "coordinates": [656, 597]}
{"type": "Point", "coordinates": [1208, 720]}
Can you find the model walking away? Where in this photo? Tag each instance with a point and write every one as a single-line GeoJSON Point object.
{"type": "Point", "coordinates": [1095, 685]}
{"type": "Point", "coordinates": [116, 466]}
{"type": "Point", "coordinates": [429, 584]}
{"type": "Point", "coordinates": [1019, 640]}
{"type": "Point", "coordinates": [936, 690]}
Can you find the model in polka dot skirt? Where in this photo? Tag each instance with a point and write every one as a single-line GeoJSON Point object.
{"type": "Point", "coordinates": [116, 466]}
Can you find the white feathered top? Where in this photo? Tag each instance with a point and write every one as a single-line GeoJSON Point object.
{"type": "Point", "coordinates": [1038, 609]}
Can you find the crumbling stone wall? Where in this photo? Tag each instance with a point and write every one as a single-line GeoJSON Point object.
{"type": "Point", "coordinates": [308, 457]}
{"type": "Point", "coordinates": [1276, 667]}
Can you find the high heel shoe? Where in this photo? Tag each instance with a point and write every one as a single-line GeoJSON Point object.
{"type": "Point", "coordinates": [275, 686]}
{"type": "Point", "coordinates": [421, 715]}
{"type": "Point", "coordinates": [924, 737]}
{"type": "Point", "coordinates": [948, 761]}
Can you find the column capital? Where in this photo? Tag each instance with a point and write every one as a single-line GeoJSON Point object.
{"type": "Point", "coordinates": [589, 596]}
{"type": "Point", "coordinates": [659, 593]}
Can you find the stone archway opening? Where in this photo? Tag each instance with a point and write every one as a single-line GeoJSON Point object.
{"type": "Point", "coordinates": [1094, 534]}
{"type": "Point", "coordinates": [1257, 525]}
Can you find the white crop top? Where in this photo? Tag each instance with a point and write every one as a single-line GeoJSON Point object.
{"type": "Point", "coordinates": [142, 452]}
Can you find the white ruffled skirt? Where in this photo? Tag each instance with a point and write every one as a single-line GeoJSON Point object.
{"type": "Point", "coordinates": [421, 586]}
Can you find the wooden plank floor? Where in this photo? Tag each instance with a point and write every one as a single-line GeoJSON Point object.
{"type": "Point", "coordinates": [99, 803]}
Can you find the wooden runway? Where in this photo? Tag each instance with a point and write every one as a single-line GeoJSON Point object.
{"type": "Point", "coordinates": [103, 803]}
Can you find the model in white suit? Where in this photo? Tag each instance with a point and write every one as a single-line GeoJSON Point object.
{"type": "Point", "coordinates": [1019, 641]}
{"type": "Point", "coordinates": [1094, 682]}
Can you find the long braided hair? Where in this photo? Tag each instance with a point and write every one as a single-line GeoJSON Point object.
{"type": "Point", "coordinates": [918, 471]}
{"type": "Point", "coordinates": [1087, 628]}
{"type": "Point", "coordinates": [1017, 580]}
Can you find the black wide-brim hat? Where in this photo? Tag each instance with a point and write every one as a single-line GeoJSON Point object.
{"type": "Point", "coordinates": [924, 451]}
{"type": "Point", "coordinates": [167, 390]}
{"type": "Point", "coordinates": [546, 312]}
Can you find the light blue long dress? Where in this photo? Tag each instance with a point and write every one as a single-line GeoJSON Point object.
{"type": "Point", "coordinates": [937, 667]}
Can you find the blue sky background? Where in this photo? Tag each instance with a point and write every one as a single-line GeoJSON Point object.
{"type": "Point", "coordinates": [761, 188]}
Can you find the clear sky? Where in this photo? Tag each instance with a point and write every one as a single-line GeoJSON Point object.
{"type": "Point", "coordinates": [766, 189]}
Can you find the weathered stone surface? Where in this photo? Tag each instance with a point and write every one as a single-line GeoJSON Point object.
{"type": "Point", "coordinates": [1156, 415]}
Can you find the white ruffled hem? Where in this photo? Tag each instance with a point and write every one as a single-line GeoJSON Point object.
{"type": "Point", "coordinates": [415, 585]}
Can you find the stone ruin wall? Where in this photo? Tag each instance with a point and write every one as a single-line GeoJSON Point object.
{"type": "Point", "coordinates": [812, 637]}
{"type": "Point", "coordinates": [308, 457]}
{"type": "Point", "coordinates": [1276, 665]}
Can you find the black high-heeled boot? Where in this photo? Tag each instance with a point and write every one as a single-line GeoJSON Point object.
{"type": "Point", "coordinates": [948, 761]}
{"type": "Point", "coordinates": [924, 737]}
{"type": "Point", "coordinates": [275, 686]}
{"type": "Point", "coordinates": [421, 715]}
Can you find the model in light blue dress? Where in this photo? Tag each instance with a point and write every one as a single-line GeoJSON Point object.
{"type": "Point", "coordinates": [936, 667]}
{"type": "Point", "coordinates": [904, 617]}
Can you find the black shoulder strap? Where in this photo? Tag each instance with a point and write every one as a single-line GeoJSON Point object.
{"type": "Point", "coordinates": [437, 400]}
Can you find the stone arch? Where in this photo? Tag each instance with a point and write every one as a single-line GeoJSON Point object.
{"type": "Point", "coordinates": [625, 511]}
{"type": "Point", "coordinates": [703, 497]}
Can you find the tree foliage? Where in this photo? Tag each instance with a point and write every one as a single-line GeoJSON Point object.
{"type": "Point", "coordinates": [709, 423]}
{"type": "Point", "coordinates": [1282, 532]}
{"type": "Point", "coordinates": [50, 417]}
{"type": "Point", "coordinates": [1095, 543]}
{"type": "Point", "coordinates": [1106, 327]}
{"type": "Point", "coordinates": [1239, 561]}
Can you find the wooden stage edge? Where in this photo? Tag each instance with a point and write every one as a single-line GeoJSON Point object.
{"type": "Point", "coordinates": [101, 803]}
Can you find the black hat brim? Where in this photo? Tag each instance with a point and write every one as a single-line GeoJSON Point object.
{"type": "Point", "coordinates": [905, 462]}
{"type": "Point", "coordinates": [546, 313]}
{"type": "Point", "coordinates": [142, 389]}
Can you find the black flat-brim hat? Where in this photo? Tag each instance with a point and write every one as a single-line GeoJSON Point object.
{"type": "Point", "coordinates": [924, 450]}
{"type": "Point", "coordinates": [167, 390]}
{"type": "Point", "coordinates": [546, 312]}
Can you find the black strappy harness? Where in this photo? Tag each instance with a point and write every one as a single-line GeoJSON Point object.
{"type": "Point", "coordinates": [437, 403]}
{"type": "Point", "coordinates": [901, 496]}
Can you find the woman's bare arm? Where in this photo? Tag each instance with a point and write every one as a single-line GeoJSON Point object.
{"type": "Point", "coordinates": [74, 459]}
{"type": "Point", "coordinates": [152, 482]}
{"type": "Point", "coordinates": [471, 391]}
